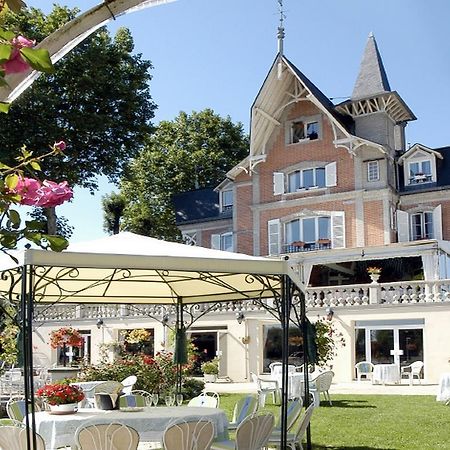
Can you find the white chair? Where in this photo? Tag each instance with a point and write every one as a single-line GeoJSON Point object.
{"type": "Point", "coordinates": [112, 436]}
{"type": "Point", "coordinates": [15, 438]}
{"type": "Point", "coordinates": [208, 399]}
{"type": "Point", "coordinates": [276, 368]}
{"type": "Point", "coordinates": [128, 384]}
{"type": "Point", "coordinates": [244, 407]}
{"type": "Point", "coordinates": [16, 408]}
{"type": "Point", "coordinates": [196, 435]}
{"type": "Point", "coordinates": [413, 370]}
{"type": "Point", "coordinates": [321, 384]}
{"type": "Point", "coordinates": [294, 410]}
{"type": "Point", "coordinates": [265, 387]}
{"type": "Point", "coordinates": [294, 440]}
{"type": "Point", "coordinates": [364, 369]}
{"type": "Point", "coordinates": [252, 434]}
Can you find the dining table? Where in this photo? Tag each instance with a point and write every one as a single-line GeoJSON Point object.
{"type": "Point", "coordinates": [443, 394]}
{"type": "Point", "coordinates": [386, 374]}
{"type": "Point", "coordinates": [150, 422]}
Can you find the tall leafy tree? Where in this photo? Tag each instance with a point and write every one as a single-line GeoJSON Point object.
{"type": "Point", "coordinates": [98, 101]}
{"type": "Point", "coordinates": [192, 151]}
{"type": "Point", "coordinates": [113, 207]}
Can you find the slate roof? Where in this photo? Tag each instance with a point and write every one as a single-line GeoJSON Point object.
{"type": "Point", "coordinates": [442, 172]}
{"type": "Point", "coordinates": [200, 205]}
{"type": "Point", "coordinates": [372, 79]}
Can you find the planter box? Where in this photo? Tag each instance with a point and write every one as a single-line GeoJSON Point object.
{"type": "Point", "coordinates": [59, 373]}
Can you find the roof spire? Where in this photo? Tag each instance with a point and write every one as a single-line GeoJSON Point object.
{"type": "Point", "coordinates": [372, 78]}
{"type": "Point", "coordinates": [280, 33]}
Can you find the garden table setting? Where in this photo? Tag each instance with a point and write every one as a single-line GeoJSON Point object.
{"type": "Point", "coordinates": [443, 394]}
{"type": "Point", "coordinates": [386, 373]}
{"type": "Point", "coordinates": [150, 422]}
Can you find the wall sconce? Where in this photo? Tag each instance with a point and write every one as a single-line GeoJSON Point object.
{"type": "Point", "coordinates": [100, 323]}
{"type": "Point", "coordinates": [330, 313]}
{"type": "Point", "coordinates": [240, 317]}
{"type": "Point", "coordinates": [245, 340]}
{"type": "Point", "coordinates": [165, 319]}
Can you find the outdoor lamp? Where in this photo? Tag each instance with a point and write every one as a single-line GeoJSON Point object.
{"type": "Point", "coordinates": [330, 313]}
{"type": "Point", "coordinates": [100, 323]}
{"type": "Point", "coordinates": [240, 317]}
{"type": "Point", "coordinates": [165, 319]}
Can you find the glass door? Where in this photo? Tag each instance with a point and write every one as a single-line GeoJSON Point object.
{"type": "Point", "coordinates": [381, 344]}
{"type": "Point", "coordinates": [411, 343]}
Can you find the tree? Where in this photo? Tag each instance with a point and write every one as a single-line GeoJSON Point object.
{"type": "Point", "coordinates": [192, 151]}
{"type": "Point", "coordinates": [98, 101]}
{"type": "Point", "coordinates": [113, 207]}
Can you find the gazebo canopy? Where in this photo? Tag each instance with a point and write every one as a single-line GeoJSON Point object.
{"type": "Point", "coordinates": [129, 268]}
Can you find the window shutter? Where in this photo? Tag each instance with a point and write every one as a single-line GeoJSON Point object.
{"type": "Point", "coordinates": [273, 233]}
{"type": "Point", "coordinates": [437, 222]}
{"type": "Point", "coordinates": [278, 183]}
{"type": "Point", "coordinates": [215, 241]}
{"type": "Point", "coordinates": [338, 230]}
{"type": "Point", "coordinates": [330, 174]}
{"type": "Point", "coordinates": [402, 226]}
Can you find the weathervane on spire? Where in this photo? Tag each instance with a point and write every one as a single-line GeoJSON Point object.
{"type": "Point", "coordinates": [280, 33]}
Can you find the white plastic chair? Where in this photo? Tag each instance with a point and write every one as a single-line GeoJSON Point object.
{"type": "Point", "coordinates": [294, 410]}
{"type": "Point", "coordinates": [265, 387]}
{"type": "Point", "coordinates": [244, 407]}
{"type": "Point", "coordinates": [413, 370]}
{"type": "Point", "coordinates": [276, 368]}
{"type": "Point", "coordinates": [16, 409]}
{"type": "Point", "coordinates": [112, 436]}
{"type": "Point", "coordinates": [252, 434]}
{"type": "Point", "coordinates": [207, 398]}
{"type": "Point", "coordinates": [195, 435]}
{"type": "Point", "coordinates": [322, 384]}
{"type": "Point", "coordinates": [15, 438]}
{"type": "Point", "coordinates": [294, 440]}
{"type": "Point", "coordinates": [364, 369]}
{"type": "Point", "coordinates": [128, 384]}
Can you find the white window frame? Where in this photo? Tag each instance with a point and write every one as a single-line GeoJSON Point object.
{"type": "Point", "coordinates": [316, 229]}
{"type": "Point", "coordinates": [225, 206]}
{"type": "Point", "coordinates": [218, 241]}
{"type": "Point", "coordinates": [306, 120]}
{"type": "Point", "coordinates": [300, 174]}
{"type": "Point", "coordinates": [373, 171]}
{"type": "Point", "coordinates": [421, 177]}
{"type": "Point", "coordinates": [423, 215]}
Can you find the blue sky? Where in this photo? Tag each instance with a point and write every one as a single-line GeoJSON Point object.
{"type": "Point", "coordinates": [216, 54]}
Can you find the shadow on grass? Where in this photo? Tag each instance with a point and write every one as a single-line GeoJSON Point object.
{"type": "Point", "coordinates": [322, 447]}
{"type": "Point", "coordinates": [346, 404]}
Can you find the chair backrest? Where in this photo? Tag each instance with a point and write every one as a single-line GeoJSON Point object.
{"type": "Point", "coordinates": [16, 409]}
{"type": "Point", "coordinates": [323, 381]}
{"type": "Point", "coordinates": [256, 380]}
{"type": "Point", "coordinates": [11, 423]}
{"type": "Point", "coordinates": [204, 400]}
{"type": "Point", "coordinates": [304, 422]}
{"type": "Point", "coordinates": [364, 367]}
{"type": "Point", "coordinates": [128, 400]}
{"type": "Point", "coordinates": [15, 438]}
{"type": "Point", "coordinates": [244, 407]}
{"type": "Point", "coordinates": [195, 435]}
{"type": "Point", "coordinates": [254, 432]}
{"type": "Point", "coordinates": [112, 436]}
{"type": "Point", "coordinates": [128, 384]}
{"type": "Point", "coordinates": [277, 368]}
{"type": "Point", "coordinates": [109, 387]}
{"type": "Point", "coordinates": [293, 412]}
{"type": "Point", "coordinates": [416, 367]}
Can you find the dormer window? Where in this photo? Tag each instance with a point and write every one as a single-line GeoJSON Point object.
{"type": "Point", "coordinates": [420, 172]}
{"type": "Point", "coordinates": [226, 200]}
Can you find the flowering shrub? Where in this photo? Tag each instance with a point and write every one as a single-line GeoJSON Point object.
{"type": "Point", "coordinates": [60, 394]}
{"type": "Point", "coordinates": [66, 336]}
{"type": "Point", "coordinates": [374, 270]}
{"type": "Point", "coordinates": [327, 341]}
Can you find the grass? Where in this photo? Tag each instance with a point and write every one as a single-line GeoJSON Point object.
{"type": "Point", "coordinates": [374, 422]}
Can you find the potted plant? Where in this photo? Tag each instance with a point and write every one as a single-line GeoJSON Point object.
{"type": "Point", "coordinates": [374, 273]}
{"type": "Point", "coordinates": [66, 337]}
{"type": "Point", "coordinates": [210, 370]}
{"type": "Point", "coordinates": [61, 398]}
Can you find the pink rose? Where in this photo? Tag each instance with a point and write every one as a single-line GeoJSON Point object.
{"type": "Point", "coordinates": [16, 63]}
{"type": "Point", "coordinates": [27, 188]}
{"type": "Point", "coordinates": [61, 145]}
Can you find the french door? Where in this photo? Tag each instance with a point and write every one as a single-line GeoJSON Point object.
{"type": "Point", "coordinates": [399, 345]}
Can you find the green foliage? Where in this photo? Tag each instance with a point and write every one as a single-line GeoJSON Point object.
{"type": "Point", "coordinates": [192, 387]}
{"type": "Point", "coordinates": [190, 152]}
{"type": "Point", "coordinates": [98, 101]}
{"type": "Point", "coordinates": [211, 367]}
{"type": "Point", "coordinates": [328, 339]}
{"type": "Point", "coordinates": [113, 207]}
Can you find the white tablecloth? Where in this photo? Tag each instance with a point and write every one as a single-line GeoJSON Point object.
{"type": "Point", "coordinates": [443, 394]}
{"type": "Point", "coordinates": [386, 373]}
{"type": "Point", "coordinates": [59, 430]}
{"type": "Point", "coordinates": [295, 383]}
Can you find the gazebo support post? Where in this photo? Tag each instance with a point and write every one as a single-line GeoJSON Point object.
{"type": "Point", "coordinates": [286, 306]}
{"type": "Point", "coordinates": [26, 309]}
{"type": "Point", "coordinates": [179, 329]}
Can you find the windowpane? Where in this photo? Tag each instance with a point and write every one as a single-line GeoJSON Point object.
{"type": "Point", "coordinates": [360, 345]}
{"type": "Point", "coordinates": [298, 131]}
{"type": "Point", "coordinates": [312, 130]}
{"type": "Point", "coordinates": [426, 167]}
{"type": "Point", "coordinates": [324, 228]}
{"type": "Point", "coordinates": [309, 230]}
{"type": "Point", "coordinates": [414, 169]}
{"type": "Point", "coordinates": [294, 181]}
{"type": "Point", "coordinates": [428, 225]}
{"type": "Point", "coordinates": [308, 178]}
{"type": "Point", "coordinates": [320, 177]}
{"type": "Point", "coordinates": [226, 242]}
{"type": "Point", "coordinates": [292, 231]}
{"type": "Point", "coordinates": [372, 171]}
{"type": "Point", "coordinates": [227, 199]}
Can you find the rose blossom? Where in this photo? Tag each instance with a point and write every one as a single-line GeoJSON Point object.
{"type": "Point", "coordinates": [61, 145]}
{"type": "Point", "coordinates": [16, 63]}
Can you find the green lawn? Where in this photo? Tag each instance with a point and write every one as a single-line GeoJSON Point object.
{"type": "Point", "coordinates": [374, 422]}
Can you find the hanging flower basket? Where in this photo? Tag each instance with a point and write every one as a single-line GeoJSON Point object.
{"type": "Point", "coordinates": [66, 337]}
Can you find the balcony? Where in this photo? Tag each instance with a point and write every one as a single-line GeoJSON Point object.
{"type": "Point", "coordinates": [300, 246]}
